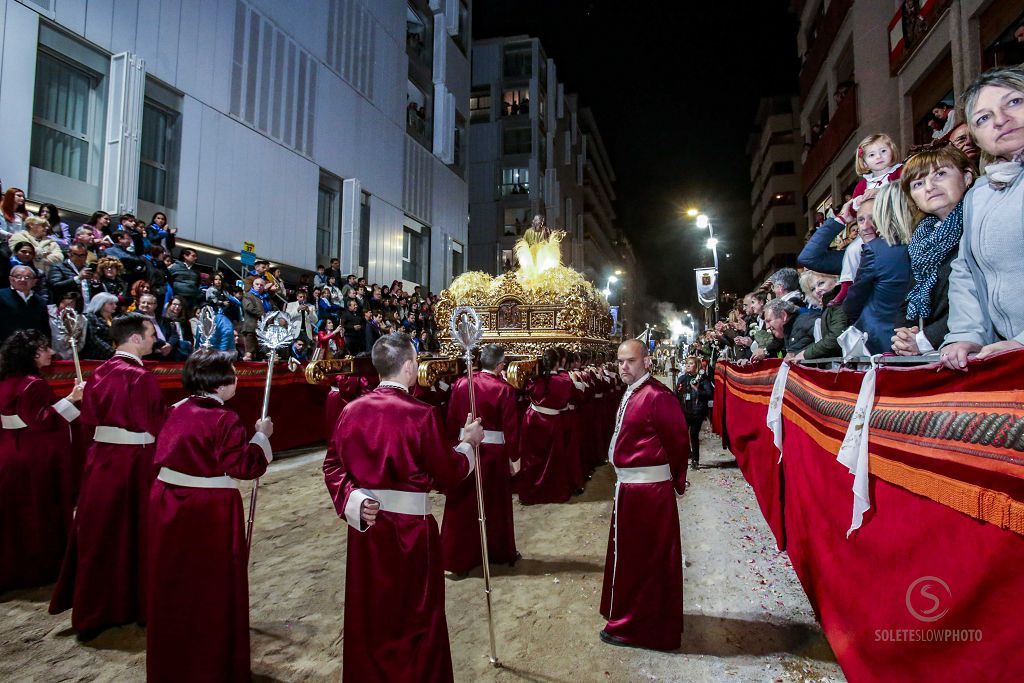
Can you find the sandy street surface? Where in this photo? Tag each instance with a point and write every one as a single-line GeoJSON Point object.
{"type": "Point", "coordinates": [746, 617]}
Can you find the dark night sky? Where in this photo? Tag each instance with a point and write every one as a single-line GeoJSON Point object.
{"type": "Point", "coordinates": [674, 87]}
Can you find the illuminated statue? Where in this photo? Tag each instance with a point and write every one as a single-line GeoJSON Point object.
{"type": "Point", "coordinates": [540, 249]}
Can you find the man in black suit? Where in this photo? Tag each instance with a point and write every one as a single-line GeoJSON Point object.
{"type": "Point", "coordinates": [20, 308]}
{"type": "Point", "coordinates": [72, 275]}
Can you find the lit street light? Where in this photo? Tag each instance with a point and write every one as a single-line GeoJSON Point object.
{"type": "Point", "coordinates": [704, 222]}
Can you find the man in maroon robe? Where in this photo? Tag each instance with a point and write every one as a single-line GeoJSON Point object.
{"type": "Point", "coordinates": [388, 450]}
{"type": "Point", "coordinates": [499, 455]}
{"type": "Point", "coordinates": [642, 596]}
{"type": "Point", "coordinates": [103, 575]}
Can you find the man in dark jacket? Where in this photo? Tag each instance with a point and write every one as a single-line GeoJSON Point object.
{"type": "Point", "coordinates": [694, 389]}
{"type": "Point", "coordinates": [185, 278]}
{"type": "Point", "coordinates": [20, 308]}
{"type": "Point", "coordinates": [780, 316]}
{"type": "Point", "coordinates": [72, 275]}
{"type": "Point", "coordinates": [352, 321]}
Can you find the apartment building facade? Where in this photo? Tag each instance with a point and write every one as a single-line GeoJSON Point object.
{"type": "Point", "coordinates": [777, 219]}
{"type": "Point", "coordinates": [312, 130]}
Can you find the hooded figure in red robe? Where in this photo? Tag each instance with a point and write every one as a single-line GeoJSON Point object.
{"type": "Point", "coordinates": [388, 450]}
{"type": "Point", "coordinates": [642, 597]}
{"type": "Point", "coordinates": [198, 626]}
{"type": "Point", "coordinates": [103, 575]}
{"type": "Point", "coordinates": [496, 408]}
{"type": "Point", "coordinates": [36, 482]}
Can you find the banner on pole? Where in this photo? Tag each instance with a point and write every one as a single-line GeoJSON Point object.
{"type": "Point", "coordinates": [707, 286]}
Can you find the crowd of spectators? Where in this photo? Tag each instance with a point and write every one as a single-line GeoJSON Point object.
{"type": "Point", "coordinates": [106, 267]}
{"type": "Point", "coordinates": [920, 261]}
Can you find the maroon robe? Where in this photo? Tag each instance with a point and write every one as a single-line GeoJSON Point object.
{"type": "Point", "coordinates": [642, 597]}
{"type": "Point", "coordinates": [36, 482]}
{"type": "Point", "coordinates": [344, 389]}
{"type": "Point", "coordinates": [395, 627]}
{"type": "Point", "coordinates": [103, 577]}
{"type": "Point", "coordinates": [460, 529]}
{"type": "Point", "coordinates": [547, 472]}
{"type": "Point", "coordinates": [198, 611]}
{"type": "Point", "coordinates": [573, 438]}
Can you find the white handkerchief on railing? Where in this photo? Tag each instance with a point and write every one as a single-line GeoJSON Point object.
{"type": "Point", "coordinates": [854, 451]}
{"type": "Point", "coordinates": [775, 406]}
{"type": "Point", "coordinates": [853, 342]}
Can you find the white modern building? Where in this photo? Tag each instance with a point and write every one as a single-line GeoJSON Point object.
{"type": "Point", "coordinates": [311, 128]}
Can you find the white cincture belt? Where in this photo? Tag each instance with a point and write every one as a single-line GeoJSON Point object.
{"type": "Point", "coordinates": [12, 422]}
{"type": "Point", "coordinates": [643, 475]}
{"type": "Point", "coordinates": [402, 502]}
{"type": "Point", "coordinates": [570, 407]}
{"type": "Point", "coordinates": [122, 436]}
{"type": "Point", "coordinates": [169, 476]}
{"type": "Point", "coordinates": [598, 395]}
{"type": "Point", "coordinates": [490, 436]}
{"type": "Point", "coordinates": [545, 411]}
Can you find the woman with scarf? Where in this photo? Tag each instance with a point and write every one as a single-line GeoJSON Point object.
{"type": "Point", "coordinates": [936, 180]}
{"type": "Point", "coordinates": [986, 310]}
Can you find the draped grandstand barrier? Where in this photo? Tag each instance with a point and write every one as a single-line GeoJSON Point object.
{"type": "Point", "coordinates": [296, 407]}
{"type": "Point", "coordinates": [929, 586]}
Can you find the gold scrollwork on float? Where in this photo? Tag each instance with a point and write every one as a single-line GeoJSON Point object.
{"type": "Point", "coordinates": [432, 370]}
{"type": "Point", "coordinates": [318, 371]}
{"type": "Point", "coordinates": [519, 372]}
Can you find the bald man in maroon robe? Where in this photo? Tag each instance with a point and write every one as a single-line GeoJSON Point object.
{"type": "Point", "coordinates": [388, 450]}
{"type": "Point", "coordinates": [499, 455]}
{"type": "Point", "coordinates": [642, 598]}
{"type": "Point", "coordinates": [103, 575]}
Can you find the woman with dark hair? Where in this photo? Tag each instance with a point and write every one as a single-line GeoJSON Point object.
{"type": "Point", "coordinates": [99, 223]}
{"type": "Point", "coordinates": [330, 339]}
{"type": "Point", "coordinates": [546, 476]}
{"type": "Point", "coordinates": [159, 234]}
{"type": "Point", "coordinates": [198, 598]}
{"type": "Point", "coordinates": [36, 479]}
{"type": "Point", "coordinates": [59, 231]}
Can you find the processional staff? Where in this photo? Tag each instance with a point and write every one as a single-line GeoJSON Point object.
{"type": "Point", "coordinates": [467, 332]}
{"type": "Point", "coordinates": [274, 330]}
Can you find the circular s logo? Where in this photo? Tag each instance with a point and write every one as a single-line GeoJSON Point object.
{"type": "Point", "coordinates": [926, 598]}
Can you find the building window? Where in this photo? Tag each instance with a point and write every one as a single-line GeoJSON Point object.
{"type": "Point", "coordinates": [419, 115]}
{"type": "Point", "coordinates": [412, 255]}
{"type": "Point", "coordinates": [364, 233]}
{"type": "Point", "coordinates": [480, 105]}
{"type": "Point", "coordinates": [418, 37]}
{"type": "Point", "coordinates": [158, 154]}
{"type": "Point", "coordinates": [782, 199]}
{"type": "Point", "coordinates": [458, 260]}
{"type": "Point", "coordinates": [68, 108]}
{"type": "Point", "coordinates": [515, 102]}
{"type": "Point", "coordinates": [325, 212]}
{"type": "Point", "coordinates": [516, 221]}
{"type": "Point", "coordinates": [542, 147]}
{"type": "Point", "coordinates": [782, 168]}
{"type": "Point", "coordinates": [784, 229]}
{"type": "Point", "coordinates": [514, 181]}
{"type": "Point", "coordinates": [518, 61]}
{"type": "Point", "coordinates": [459, 142]}
{"type": "Point", "coordinates": [516, 140]}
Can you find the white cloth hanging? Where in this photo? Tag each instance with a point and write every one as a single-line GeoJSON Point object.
{"type": "Point", "coordinates": [854, 451]}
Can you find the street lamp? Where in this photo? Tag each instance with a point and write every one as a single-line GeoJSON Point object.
{"type": "Point", "coordinates": [704, 222]}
